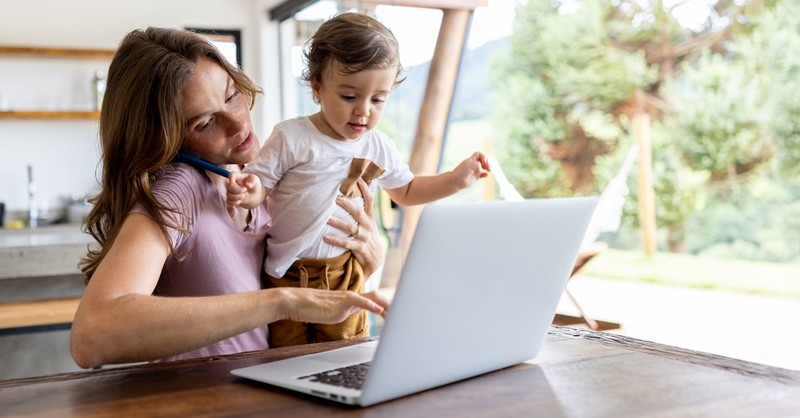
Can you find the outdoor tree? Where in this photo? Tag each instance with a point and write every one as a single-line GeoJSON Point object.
{"type": "Point", "coordinates": [579, 71]}
{"type": "Point", "coordinates": [737, 121]}
{"type": "Point", "coordinates": [736, 115]}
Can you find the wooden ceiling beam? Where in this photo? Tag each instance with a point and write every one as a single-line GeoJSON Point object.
{"type": "Point", "coordinates": [288, 8]}
{"type": "Point", "coordinates": [427, 4]}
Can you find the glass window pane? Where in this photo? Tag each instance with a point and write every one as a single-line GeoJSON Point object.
{"type": "Point", "coordinates": [417, 41]}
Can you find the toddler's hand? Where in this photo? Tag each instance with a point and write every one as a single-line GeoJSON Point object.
{"type": "Point", "coordinates": [470, 170]}
{"type": "Point", "coordinates": [239, 186]}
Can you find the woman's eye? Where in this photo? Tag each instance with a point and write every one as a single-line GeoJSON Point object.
{"type": "Point", "coordinates": [205, 126]}
{"type": "Point", "coordinates": [232, 96]}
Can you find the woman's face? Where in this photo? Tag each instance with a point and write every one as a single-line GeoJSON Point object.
{"type": "Point", "coordinates": [218, 126]}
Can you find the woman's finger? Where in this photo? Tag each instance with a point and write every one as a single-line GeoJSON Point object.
{"type": "Point", "coordinates": [380, 299]}
{"type": "Point", "coordinates": [367, 194]}
{"type": "Point", "coordinates": [372, 304]}
{"type": "Point", "coordinates": [331, 306]}
{"type": "Point", "coordinates": [355, 244]}
{"type": "Point", "coordinates": [367, 246]}
{"type": "Point", "coordinates": [344, 225]}
{"type": "Point", "coordinates": [350, 207]}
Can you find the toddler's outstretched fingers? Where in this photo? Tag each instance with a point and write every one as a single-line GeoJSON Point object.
{"type": "Point", "coordinates": [232, 178]}
{"type": "Point", "coordinates": [484, 161]}
{"type": "Point", "coordinates": [233, 185]}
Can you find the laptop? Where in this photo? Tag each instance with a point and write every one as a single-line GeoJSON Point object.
{"type": "Point", "coordinates": [477, 293]}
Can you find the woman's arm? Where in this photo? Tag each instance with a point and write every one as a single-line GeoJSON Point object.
{"type": "Point", "coordinates": [119, 320]}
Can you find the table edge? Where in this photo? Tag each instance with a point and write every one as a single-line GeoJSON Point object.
{"type": "Point", "coordinates": [730, 364]}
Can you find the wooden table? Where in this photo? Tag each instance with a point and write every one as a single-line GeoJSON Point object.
{"type": "Point", "coordinates": [580, 373]}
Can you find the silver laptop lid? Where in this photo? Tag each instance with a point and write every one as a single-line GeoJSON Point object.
{"type": "Point", "coordinates": [477, 293]}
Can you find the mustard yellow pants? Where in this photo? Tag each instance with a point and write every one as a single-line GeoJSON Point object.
{"type": "Point", "coordinates": [337, 273]}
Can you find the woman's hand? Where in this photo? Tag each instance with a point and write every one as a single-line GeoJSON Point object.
{"type": "Point", "coordinates": [379, 298]}
{"type": "Point", "coordinates": [327, 306]}
{"type": "Point", "coordinates": [364, 238]}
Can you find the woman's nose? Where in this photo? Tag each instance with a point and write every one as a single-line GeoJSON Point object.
{"type": "Point", "coordinates": [237, 124]}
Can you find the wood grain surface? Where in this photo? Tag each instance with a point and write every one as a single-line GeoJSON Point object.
{"type": "Point", "coordinates": [578, 374]}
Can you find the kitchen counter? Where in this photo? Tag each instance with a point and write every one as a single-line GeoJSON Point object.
{"type": "Point", "coordinates": [53, 250]}
{"type": "Point", "coordinates": [40, 285]}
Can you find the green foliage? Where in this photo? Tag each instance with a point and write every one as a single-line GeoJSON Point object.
{"type": "Point", "coordinates": [562, 73]}
{"type": "Point", "coordinates": [530, 168]}
{"type": "Point", "coordinates": [729, 101]}
{"type": "Point", "coordinates": [722, 117]}
{"type": "Point", "coordinates": [770, 52]}
{"type": "Point", "coordinates": [738, 112]}
{"type": "Point", "coordinates": [758, 220]}
{"type": "Point", "coordinates": [678, 190]}
{"type": "Point", "coordinates": [571, 71]}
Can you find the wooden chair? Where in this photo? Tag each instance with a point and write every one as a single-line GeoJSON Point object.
{"type": "Point", "coordinates": [584, 256]}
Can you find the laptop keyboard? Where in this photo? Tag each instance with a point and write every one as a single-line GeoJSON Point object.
{"type": "Point", "coordinates": [349, 376]}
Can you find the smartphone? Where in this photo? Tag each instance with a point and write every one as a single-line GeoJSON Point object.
{"type": "Point", "coordinates": [202, 164]}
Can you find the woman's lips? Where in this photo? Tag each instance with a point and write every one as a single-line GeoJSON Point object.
{"type": "Point", "coordinates": [245, 145]}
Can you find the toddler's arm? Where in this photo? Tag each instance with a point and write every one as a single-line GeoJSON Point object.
{"type": "Point", "coordinates": [426, 189]}
{"type": "Point", "coordinates": [245, 190]}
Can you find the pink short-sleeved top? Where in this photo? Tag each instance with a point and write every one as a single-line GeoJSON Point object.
{"type": "Point", "coordinates": [214, 256]}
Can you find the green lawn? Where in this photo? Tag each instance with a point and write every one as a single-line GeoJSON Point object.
{"type": "Point", "coordinates": [702, 272]}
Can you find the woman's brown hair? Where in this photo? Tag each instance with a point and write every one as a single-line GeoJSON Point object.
{"type": "Point", "coordinates": [142, 125]}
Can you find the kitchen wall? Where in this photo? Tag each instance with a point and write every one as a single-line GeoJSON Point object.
{"type": "Point", "coordinates": [64, 154]}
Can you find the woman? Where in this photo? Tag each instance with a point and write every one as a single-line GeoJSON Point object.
{"type": "Point", "coordinates": [177, 272]}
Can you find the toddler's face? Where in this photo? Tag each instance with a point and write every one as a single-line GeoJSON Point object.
{"type": "Point", "coordinates": [352, 104]}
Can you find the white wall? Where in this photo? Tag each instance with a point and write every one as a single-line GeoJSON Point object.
{"type": "Point", "coordinates": [64, 154]}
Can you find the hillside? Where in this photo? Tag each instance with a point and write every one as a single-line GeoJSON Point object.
{"type": "Point", "coordinates": [474, 92]}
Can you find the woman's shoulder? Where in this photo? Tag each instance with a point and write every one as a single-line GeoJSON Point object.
{"type": "Point", "coordinates": [181, 175]}
{"type": "Point", "coordinates": [181, 185]}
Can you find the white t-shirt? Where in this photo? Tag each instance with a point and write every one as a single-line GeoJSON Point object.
{"type": "Point", "coordinates": [304, 169]}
